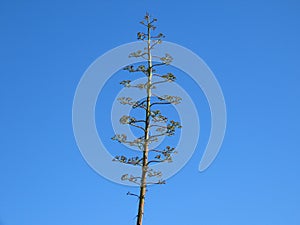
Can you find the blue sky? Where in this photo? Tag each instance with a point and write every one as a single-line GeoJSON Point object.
{"type": "Point", "coordinates": [252, 48]}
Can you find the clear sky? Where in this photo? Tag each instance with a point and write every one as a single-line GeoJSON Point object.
{"type": "Point", "coordinates": [251, 46]}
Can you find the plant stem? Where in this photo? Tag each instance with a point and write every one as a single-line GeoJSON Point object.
{"type": "Point", "coordinates": [143, 184]}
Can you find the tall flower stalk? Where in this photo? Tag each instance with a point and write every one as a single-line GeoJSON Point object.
{"type": "Point", "coordinates": [154, 124]}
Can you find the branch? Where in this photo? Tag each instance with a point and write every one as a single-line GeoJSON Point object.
{"type": "Point", "coordinates": [131, 161]}
{"type": "Point", "coordinates": [159, 41]}
{"type": "Point", "coordinates": [140, 68]}
{"type": "Point", "coordinates": [156, 75]}
{"type": "Point", "coordinates": [169, 98]}
{"type": "Point", "coordinates": [130, 121]}
{"type": "Point", "coordinates": [157, 135]}
{"type": "Point", "coordinates": [138, 121]}
{"type": "Point", "coordinates": [155, 150]}
{"type": "Point", "coordinates": [139, 86]}
{"type": "Point", "coordinates": [137, 126]}
{"type": "Point", "coordinates": [159, 82]}
{"type": "Point", "coordinates": [130, 179]}
{"type": "Point", "coordinates": [138, 53]}
{"type": "Point", "coordinates": [122, 138]}
{"type": "Point", "coordinates": [155, 161]}
{"type": "Point", "coordinates": [160, 103]}
{"type": "Point", "coordinates": [128, 101]}
{"type": "Point", "coordinates": [158, 117]}
{"type": "Point", "coordinates": [160, 126]}
{"type": "Point", "coordinates": [129, 193]}
{"type": "Point", "coordinates": [158, 182]}
{"type": "Point", "coordinates": [166, 151]}
{"type": "Point", "coordinates": [159, 64]}
{"type": "Point", "coordinates": [139, 104]}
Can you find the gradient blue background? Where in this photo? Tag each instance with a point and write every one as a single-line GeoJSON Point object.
{"type": "Point", "coordinates": [253, 49]}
